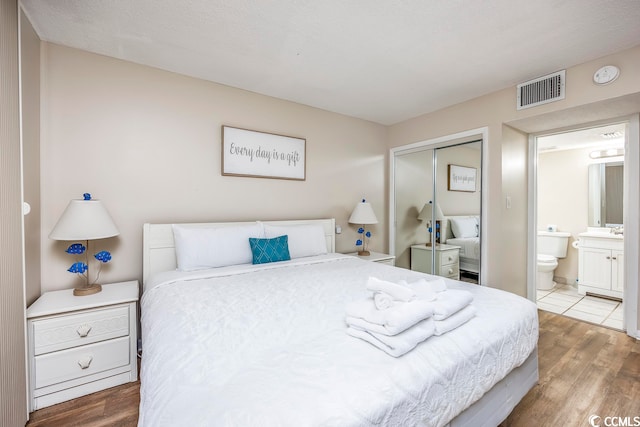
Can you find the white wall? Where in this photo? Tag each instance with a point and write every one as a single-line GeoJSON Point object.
{"type": "Point", "coordinates": [563, 200]}
{"type": "Point", "coordinates": [511, 256]}
{"type": "Point", "coordinates": [147, 143]}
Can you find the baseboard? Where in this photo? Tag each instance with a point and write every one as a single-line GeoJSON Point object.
{"type": "Point", "coordinates": [560, 280]}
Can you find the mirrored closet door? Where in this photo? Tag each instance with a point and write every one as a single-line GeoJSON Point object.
{"type": "Point", "coordinates": [437, 205]}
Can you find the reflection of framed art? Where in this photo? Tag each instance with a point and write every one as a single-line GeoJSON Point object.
{"type": "Point", "coordinates": [262, 155]}
{"type": "Point", "coordinates": [461, 178]}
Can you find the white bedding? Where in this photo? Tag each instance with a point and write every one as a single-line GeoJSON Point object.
{"type": "Point", "coordinates": [469, 246]}
{"type": "Point", "coordinates": [266, 346]}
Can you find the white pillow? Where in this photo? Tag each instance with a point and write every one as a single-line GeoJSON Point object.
{"type": "Point", "coordinates": [304, 240]}
{"type": "Point", "coordinates": [464, 227]}
{"type": "Point", "coordinates": [206, 247]}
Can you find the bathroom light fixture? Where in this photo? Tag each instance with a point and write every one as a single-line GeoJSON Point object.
{"type": "Point", "coordinates": [612, 135]}
{"type": "Point", "coordinates": [611, 152]}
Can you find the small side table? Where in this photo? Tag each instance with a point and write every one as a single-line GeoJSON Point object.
{"type": "Point", "coordinates": [447, 261]}
{"type": "Point", "coordinates": [376, 257]}
{"type": "Point", "coordinates": [81, 344]}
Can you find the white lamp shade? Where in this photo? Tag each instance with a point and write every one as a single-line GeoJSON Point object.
{"type": "Point", "coordinates": [363, 214]}
{"type": "Point", "coordinates": [84, 220]}
{"type": "Point", "coordinates": [425, 212]}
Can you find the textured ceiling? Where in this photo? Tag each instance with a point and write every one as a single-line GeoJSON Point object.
{"type": "Point", "coordinates": [380, 60]}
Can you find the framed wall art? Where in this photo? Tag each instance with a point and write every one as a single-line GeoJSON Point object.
{"type": "Point", "coordinates": [461, 178]}
{"type": "Point", "coordinates": [262, 155]}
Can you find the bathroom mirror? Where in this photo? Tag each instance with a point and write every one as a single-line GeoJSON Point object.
{"type": "Point", "coordinates": [605, 194]}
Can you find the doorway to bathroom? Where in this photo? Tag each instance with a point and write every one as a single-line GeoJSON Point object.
{"type": "Point", "coordinates": [579, 222]}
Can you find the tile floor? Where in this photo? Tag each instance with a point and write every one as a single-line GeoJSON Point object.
{"type": "Point", "coordinates": [565, 300]}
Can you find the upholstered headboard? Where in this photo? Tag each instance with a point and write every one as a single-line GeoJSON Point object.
{"type": "Point", "coordinates": [158, 246]}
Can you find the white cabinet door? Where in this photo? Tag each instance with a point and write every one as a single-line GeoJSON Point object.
{"type": "Point", "coordinates": [617, 270]}
{"type": "Point", "coordinates": [421, 259]}
{"type": "Point", "coordinates": [595, 266]}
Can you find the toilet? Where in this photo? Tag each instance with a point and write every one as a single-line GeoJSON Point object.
{"type": "Point", "coordinates": [551, 246]}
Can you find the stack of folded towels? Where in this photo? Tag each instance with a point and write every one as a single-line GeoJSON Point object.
{"type": "Point", "coordinates": [399, 316]}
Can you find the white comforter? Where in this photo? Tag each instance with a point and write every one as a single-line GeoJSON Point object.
{"type": "Point", "coordinates": [469, 246]}
{"type": "Point", "coordinates": [267, 347]}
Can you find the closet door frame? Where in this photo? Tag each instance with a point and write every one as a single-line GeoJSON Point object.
{"type": "Point", "coordinates": [479, 134]}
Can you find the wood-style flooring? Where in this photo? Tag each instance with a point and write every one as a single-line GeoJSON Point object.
{"type": "Point", "coordinates": [584, 370]}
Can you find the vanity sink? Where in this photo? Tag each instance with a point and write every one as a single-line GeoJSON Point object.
{"type": "Point", "coordinates": [603, 233]}
{"type": "Point", "coordinates": [601, 262]}
{"type": "Point", "coordinates": [599, 235]}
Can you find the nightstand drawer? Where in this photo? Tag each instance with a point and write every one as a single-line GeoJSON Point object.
{"type": "Point", "coordinates": [448, 258]}
{"type": "Point", "coordinates": [451, 271]}
{"type": "Point", "coordinates": [71, 330]}
{"type": "Point", "coordinates": [68, 365]}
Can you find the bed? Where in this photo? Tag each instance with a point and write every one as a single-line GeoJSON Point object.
{"type": "Point", "coordinates": [463, 231]}
{"type": "Point", "coordinates": [265, 345]}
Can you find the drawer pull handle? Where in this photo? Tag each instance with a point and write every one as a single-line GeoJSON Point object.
{"type": "Point", "coordinates": [83, 330]}
{"type": "Point", "coordinates": [451, 271]}
{"type": "Point", "coordinates": [85, 362]}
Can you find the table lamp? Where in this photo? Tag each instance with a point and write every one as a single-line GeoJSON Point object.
{"type": "Point", "coordinates": [85, 219]}
{"type": "Point", "coordinates": [363, 214]}
{"type": "Point", "coordinates": [426, 214]}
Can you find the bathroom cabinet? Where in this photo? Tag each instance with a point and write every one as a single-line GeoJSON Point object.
{"type": "Point", "coordinates": [601, 265]}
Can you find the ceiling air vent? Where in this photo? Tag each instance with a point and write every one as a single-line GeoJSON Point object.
{"type": "Point", "coordinates": [542, 90]}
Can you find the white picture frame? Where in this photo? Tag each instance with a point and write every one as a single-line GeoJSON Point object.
{"type": "Point", "coordinates": [461, 178]}
{"type": "Point", "coordinates": [251, 153]}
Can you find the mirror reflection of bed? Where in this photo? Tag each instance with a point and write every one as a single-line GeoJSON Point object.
{"type": "Point", "coordinates": [464, 231]}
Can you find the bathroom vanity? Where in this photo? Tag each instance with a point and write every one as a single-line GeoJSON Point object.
{"type": "Point", "coordinates": [601, 264]}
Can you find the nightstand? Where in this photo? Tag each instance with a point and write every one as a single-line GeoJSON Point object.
{"type": "Point", "coordinates": [447, 260]}
{"type": "Point", "coordinates": [376, 257]}
{"type": "Point", "coordinates": [81, 344]}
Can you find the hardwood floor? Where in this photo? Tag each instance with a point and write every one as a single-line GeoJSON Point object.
{"type": "Point", "coordinates": [114, 407]}
{"type": "Point", "coordinates": [584, 370]}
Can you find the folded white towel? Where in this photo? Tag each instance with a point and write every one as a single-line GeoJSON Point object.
{"type": "Point", "coordinates": [394, 319]}
{"type": "Point", "coordinates": [394, 290]}
{"type": "Point", "coordinates": [455, 320]}
{"type": "Point", "coordinates": [358, 323]}
{"type": "Point", "coordinates": [400, 344]}
{"type": "Point", "coordinates": [425, 289]}
{"type": "Point", "coordinates": [436, 285]}
{"type": "Point", "coordinates": [450, 302]}
{"type": "Point", "coordinates": [384, 301]}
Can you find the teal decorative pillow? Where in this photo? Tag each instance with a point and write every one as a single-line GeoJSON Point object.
{"type": "Point", "coordinates": [270, 250]}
